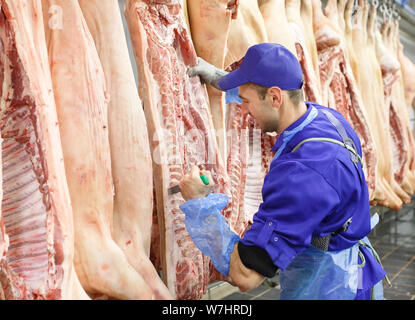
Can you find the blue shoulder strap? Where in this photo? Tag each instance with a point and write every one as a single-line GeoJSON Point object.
{"type": "Point", "coordinates": [346, 141]}
{"type": "Point", "coordinates": [342, 131]}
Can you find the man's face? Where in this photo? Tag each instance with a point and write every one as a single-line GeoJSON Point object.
{"type": "Point", "coordinates": [265, 114]}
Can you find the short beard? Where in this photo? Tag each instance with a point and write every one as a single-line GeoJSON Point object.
{"type": "Point", "coordinates": [271, 126]}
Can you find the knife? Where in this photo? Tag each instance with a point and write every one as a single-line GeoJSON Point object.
{"type": "Point", "coordinates": [176, 188]}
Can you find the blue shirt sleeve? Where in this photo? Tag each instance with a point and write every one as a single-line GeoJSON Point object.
{"type": "Point", "coordinates": [296, 199]}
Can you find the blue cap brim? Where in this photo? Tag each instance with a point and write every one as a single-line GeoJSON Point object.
{"type": "Point", "coordinates": [232, 80]}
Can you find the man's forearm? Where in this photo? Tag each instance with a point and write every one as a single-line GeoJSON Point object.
{"type": "Point", "coordinates": [244, 278]}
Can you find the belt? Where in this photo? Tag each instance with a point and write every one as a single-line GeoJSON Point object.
{"type": "Point", "coordinates": [322, 243]}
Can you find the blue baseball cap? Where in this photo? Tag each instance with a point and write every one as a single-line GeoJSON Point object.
{"type": "Point", "coordinates": [268, 65]}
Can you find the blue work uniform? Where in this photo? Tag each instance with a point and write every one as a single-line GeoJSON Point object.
{"type": "Point", "coordinates": [311, 193]}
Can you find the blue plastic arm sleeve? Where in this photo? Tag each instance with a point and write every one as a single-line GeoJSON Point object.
{"type": "Point", "coordinates": [209, 230]}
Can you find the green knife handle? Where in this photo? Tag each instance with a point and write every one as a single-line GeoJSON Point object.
{"type": "Point", "coordinates": [205, 179]}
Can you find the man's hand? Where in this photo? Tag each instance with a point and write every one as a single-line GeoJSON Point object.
{"type": "Point", "coordinates": [207, 72]}
{"type": "Point", "coordinates": [192, 186]}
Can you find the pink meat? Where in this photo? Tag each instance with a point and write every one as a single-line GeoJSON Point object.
{"type": "Point", "coordinates": [130, 152]}
{"type": "Point", "coordinates": [399, 144]}
{"type": "Point", "coordinates": [237, 162]}
{"type": "Point", "coordinates": [36, 222]}
{"type": "Point", "coordinates": [340, 90]}
{"type": "Point", "coordinates": [259, 161]}
{"type": "Point", "coordinates": [310, 89]}
{"type": "Point", "coordinates": [399, 147]}
{"type": "Point", "coordinates": [82, 107]}
{"type": "Point", "coordinates": [181, 133]}
{"type": "Point", "coordinates": [248, 162]}
{"type": "Point", "coordinates": [349, 103]}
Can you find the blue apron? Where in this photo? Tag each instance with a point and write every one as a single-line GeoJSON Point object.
{"type": "Point", "coordinates": [333, 275]}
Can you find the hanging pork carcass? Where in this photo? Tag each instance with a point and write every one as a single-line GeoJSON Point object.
{"type": "Point", "coordinates": [131, 165]}
{"type": "Point", "coordinates": [82, 99]}
{"type": "Point", "coordinates": [181, 133]}
{"type": "Point", "coordinates": [339, 87]}
{"type": "Point", "coordinates": [36, 229]}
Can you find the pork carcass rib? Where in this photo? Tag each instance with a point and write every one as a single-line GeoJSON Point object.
{"type": "Point", "coordinates": [181, 133]}
{"type": "Point", "coordinates": [248, 154]}
{"type": "Point", "coordinates": [390, 74]}
{"type": "Point", "coordinates": [36, 228]}
{"type": "Point", "coordinates": [368, 75]}
{"type": "Point", "coordinates": [340, 90]}
{"type": "Point", "coordinates": [206, 20]}
{"type": "Point", "coordinates": [82, 107]}
{"type": "Point", "coordinates": [400, 94]}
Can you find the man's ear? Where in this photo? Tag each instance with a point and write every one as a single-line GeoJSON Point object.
{"type": "Point", "coordinates": [276, 96]}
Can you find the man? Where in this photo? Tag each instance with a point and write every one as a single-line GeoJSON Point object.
{"type": "Point", "coordinates": [315, 215]}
